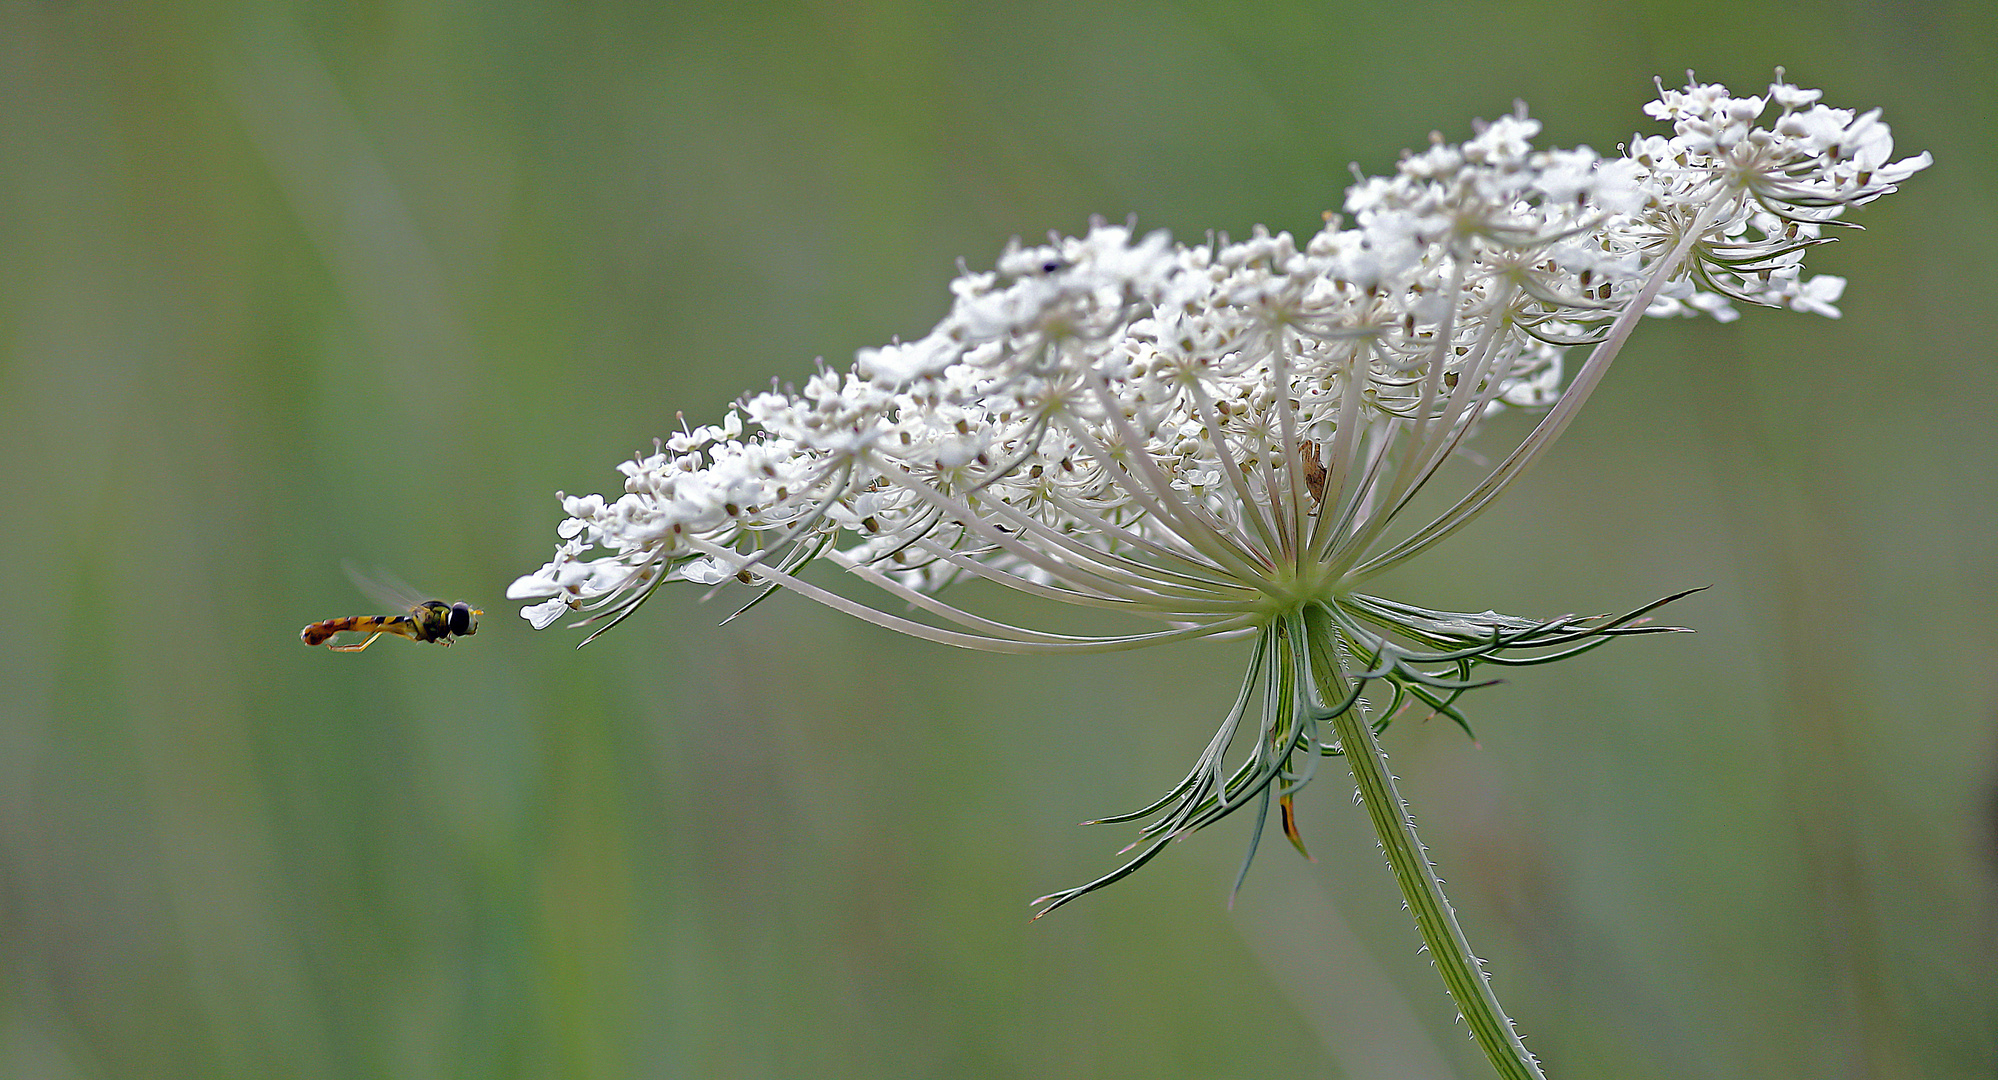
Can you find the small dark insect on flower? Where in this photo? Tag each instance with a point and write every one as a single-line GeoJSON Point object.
{"type": "Point", "coordinates": [1314, 470]}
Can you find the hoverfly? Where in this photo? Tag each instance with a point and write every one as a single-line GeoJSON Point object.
{"type": "Point", "coordinates": [428, 620]}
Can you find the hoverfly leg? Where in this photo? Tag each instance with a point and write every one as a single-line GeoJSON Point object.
{"type": "Point", "coordinates": [362, 645]}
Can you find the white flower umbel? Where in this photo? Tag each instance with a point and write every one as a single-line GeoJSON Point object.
{"type": "Point", "coordinates": [1220, 440]}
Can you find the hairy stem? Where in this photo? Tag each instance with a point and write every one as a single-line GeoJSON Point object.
{"type": "Point", "coordinates": [1462, 973]}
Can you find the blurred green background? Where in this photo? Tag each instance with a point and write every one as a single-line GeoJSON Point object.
{"type": "Point", "coordinates": [286, 285]}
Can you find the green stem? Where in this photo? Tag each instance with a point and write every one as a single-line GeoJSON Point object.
{"type": "Point", "coordinates": [1462, 974]}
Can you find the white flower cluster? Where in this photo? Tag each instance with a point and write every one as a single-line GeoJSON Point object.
{"type": "Point", "coordinates": [1211, 436]}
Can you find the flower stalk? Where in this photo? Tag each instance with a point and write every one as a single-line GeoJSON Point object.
{"type": "Point", "coordinates": [1463, 973]}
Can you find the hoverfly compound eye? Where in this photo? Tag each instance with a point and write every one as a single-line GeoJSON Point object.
{"type": "Point", "coordinates": [463, 620]}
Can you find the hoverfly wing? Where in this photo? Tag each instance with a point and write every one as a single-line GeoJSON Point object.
{"type": "Point", "coordinates": [385, 588]}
